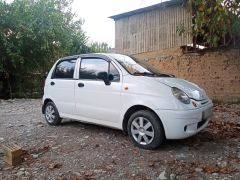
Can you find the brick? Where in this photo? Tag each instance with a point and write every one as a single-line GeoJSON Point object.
{"type": "Point", "coordinates": [12, 154]}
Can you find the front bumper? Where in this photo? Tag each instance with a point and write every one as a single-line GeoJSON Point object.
{"type": "Point", "coordinates": [183, 124]}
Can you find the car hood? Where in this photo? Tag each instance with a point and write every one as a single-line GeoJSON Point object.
{"type": "Point", "coordinates": [191, 89]}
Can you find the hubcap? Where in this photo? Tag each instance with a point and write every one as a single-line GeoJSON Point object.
{"type": "Point", "coordinates": [142, 130]}
{"type": "Point", "coordinates": [50, 114]}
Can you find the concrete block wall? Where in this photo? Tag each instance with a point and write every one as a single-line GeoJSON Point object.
{"type": "Point", "coordinates": [218, 72]}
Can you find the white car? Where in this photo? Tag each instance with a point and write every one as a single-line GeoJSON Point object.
{"type": "Point", "coordinates": [122, 92]}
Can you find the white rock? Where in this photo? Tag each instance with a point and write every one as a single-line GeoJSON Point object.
{"type": "Point", "coordinates": [98, 171]}
{"type": "Point", "coordinates": [181, 156]}
{"type": "Point", "coordinates": [20, 173]}
{"type": "Point", "coordinates": [162, 175]}
{"type": "Point", "coordinates": [10, 126]}
{"type": "Point", "coordinates": [55, 147]}
{"type": "Point", "coordinates": [35, 156]}
{"type": "Point", "coordinates": [172, 176]}
{"type": "Point", "coordinates": [198, 169]}
{"type": "Point", "coordinates": [226, 178]}
{"type": "Point", "coordinates": [224, 164]}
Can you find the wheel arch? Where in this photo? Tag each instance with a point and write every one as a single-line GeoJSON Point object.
{"type": "Point", "coordinates": [134, 109]}
{"type": "Point", "coordinates": [45, 102]}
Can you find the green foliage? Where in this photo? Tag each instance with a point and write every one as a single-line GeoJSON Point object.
{"type": "Point", "coordinates": [33, 35]}
{"type": "Point", "coordinates": [214, 20]}
{"type": "Point", "coordinates": [99, 47]}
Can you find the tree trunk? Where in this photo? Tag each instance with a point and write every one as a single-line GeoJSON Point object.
{"type": "Point", "coordinates": [9, 94]}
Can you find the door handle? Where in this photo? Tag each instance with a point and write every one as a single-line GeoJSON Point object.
{"type": "Point", "coordinates": [80, 85]}
{"type": "Point", "coordinates": [52, 83]}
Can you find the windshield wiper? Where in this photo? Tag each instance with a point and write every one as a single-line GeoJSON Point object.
{"type": "Point", "coordinates": [152, 74]}
{"type": "Point", "coordinates": [143, 74]}
{"type": "Point", "coordinates": [164, 75]}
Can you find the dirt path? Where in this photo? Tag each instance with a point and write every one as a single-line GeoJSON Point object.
{"type": "Point", "coordinates": [75, 150]}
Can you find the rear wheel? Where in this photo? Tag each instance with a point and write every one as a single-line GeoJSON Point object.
{"type": "Point", "coordinates": [51, 114]}
{"type": "Point", "coordinates": [145, 129]}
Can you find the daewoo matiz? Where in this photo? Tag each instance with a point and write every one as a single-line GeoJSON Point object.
{"type": "Point", "coordinates": [122, 92]}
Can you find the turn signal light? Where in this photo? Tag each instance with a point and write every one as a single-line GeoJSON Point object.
{"type": "Point", "coordinates": [194, 104]}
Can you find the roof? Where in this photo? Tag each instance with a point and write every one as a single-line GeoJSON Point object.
{"type": "Point", "coordinates": [98, 55]}
{"type": "Point", "coordinates": [164, 4]}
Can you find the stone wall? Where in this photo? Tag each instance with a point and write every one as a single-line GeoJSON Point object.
{"type": "Point", "coordinates": [218, 72]}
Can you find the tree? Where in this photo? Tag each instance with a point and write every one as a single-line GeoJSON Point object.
{"type": "Point", "coordinates": [33, 34]}
{"type": "Point", "coordinates": [216, 22]}
{"type": "Point", "coordinates": [99, 47]}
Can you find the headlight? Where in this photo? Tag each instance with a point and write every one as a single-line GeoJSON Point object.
{"type": "Point", "coordinates": [180, 95]}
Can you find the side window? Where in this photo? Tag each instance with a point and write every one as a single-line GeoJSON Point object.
{"type": "Point", "coordinates": [90, 67]}
{"type": "Point", "coordinates": [115, 73]}
{"type": "Point", "coordinates": [65, 69]}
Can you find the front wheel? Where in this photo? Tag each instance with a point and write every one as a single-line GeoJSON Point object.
{"type": "Point", "coordinates": [51, 114]}
{"type": "Point", "coordinates": [145, 130]}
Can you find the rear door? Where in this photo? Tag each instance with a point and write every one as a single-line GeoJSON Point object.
{"type": "Point", "coordinates": [61, 86]}
{"type": "Point", "coordinates": [96, 101]}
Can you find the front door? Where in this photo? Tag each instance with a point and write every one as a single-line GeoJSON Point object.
{"type": "Point", "coordinates": [96, 101]}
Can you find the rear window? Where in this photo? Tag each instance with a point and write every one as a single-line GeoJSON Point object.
{"type": "Point", "coordinates": [65, 69]}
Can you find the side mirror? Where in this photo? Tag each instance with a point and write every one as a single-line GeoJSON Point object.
{"type": "Point", "coordinates": [110, 77]}
{"type": "Point", "coordinates": [105, 77]}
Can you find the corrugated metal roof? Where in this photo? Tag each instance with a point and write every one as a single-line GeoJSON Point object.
{"type": "Point", "coordinates": [149, 8]}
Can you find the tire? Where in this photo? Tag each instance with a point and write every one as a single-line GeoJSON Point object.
{"type": "Point", "coordinates": [145, 130]}
{"type": "Point", "coordinates": [51, 114]}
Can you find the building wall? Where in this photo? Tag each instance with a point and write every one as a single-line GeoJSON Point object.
{"type": "Point", "coordinates": [152, 30]}
{"type": "Point", "coordinates": [217, 72]}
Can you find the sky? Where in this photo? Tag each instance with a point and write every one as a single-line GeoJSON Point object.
{"type": "Point", "coordinates": [98, 27]}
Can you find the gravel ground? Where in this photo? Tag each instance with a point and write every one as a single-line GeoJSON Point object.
{"type": "Point", "coordinates": [75, 150]}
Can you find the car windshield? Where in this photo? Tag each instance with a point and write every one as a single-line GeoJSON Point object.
{"type": "Point", "coordinates": [137, 67]}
